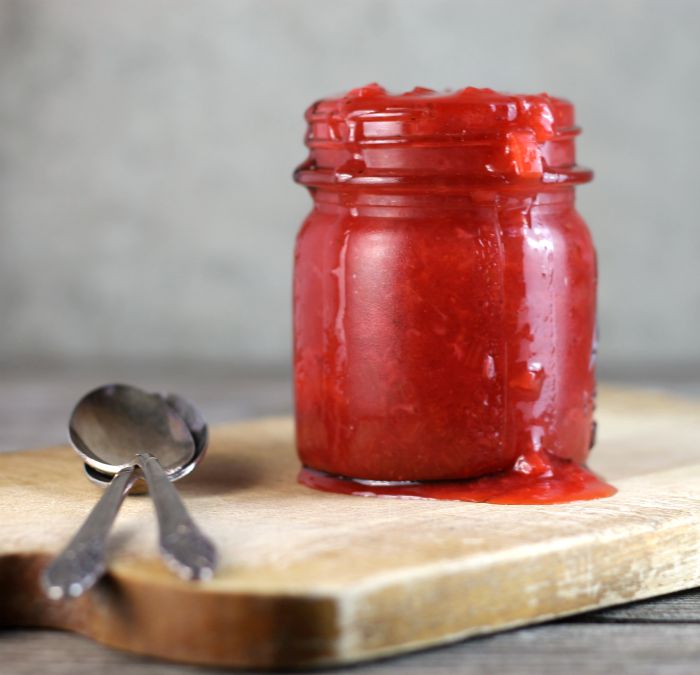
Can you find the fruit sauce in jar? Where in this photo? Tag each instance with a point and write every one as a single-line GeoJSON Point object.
{"type": "Point", "coordinates": [445, 299]}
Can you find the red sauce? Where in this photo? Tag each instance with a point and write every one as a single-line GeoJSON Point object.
{"type": "Point", "coordinates": [444, 299]}
{"type": "Point", "coordinates": [563, 481]}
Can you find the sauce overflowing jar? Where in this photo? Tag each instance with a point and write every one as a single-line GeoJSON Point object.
{"type": "Point", "coordinates": [445, 298]}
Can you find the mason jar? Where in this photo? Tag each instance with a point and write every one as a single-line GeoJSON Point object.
{"type": "Point", "coordinates": [444, 287]}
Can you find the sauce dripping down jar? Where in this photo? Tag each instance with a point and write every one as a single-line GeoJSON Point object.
{"type": "Point", "coordinates": [445, 299]}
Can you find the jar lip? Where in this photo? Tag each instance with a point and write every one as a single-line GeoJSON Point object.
{"type": "Point", "coordinates": [371, 114]}
{"type": "Point", "coordinates": [370, 137]}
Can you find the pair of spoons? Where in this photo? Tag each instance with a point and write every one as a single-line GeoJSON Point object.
{"type": "Point", "coordinates": [124, 434]}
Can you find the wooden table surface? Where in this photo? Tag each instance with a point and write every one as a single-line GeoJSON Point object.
{"type": "Point", "coordinates": [658, 636]}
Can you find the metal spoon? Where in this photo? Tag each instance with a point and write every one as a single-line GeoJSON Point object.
{"type": "Point", "coordinates": [117, 429]}
{"type": "Point", "coordinates": [200, 435]}
{"type": "Point", "coordinates": [172, 538]}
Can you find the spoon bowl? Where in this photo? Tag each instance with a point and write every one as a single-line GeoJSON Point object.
{"type": "Point", "coordinates": [112, 424]}
{"type": "Point", "coordinates": [199, 430]}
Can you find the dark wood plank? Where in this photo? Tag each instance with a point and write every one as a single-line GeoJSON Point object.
{"type": "Point", "coordinates": [35, 404]}
{"type": "Point", "coordinates": [681, 607]}
{"type": "Point", "coordinates": [555, 649]}
{"type": "Point", "coordinates": [551, 649]}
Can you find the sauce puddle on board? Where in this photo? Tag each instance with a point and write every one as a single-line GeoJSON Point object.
{"type": "Point", "coordinates": [556, 482]}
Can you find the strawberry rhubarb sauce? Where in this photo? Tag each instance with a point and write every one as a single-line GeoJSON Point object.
{"type": "Point", "coordinates": [444, 299]}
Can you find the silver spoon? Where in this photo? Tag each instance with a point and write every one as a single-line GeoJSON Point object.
{"type": "Point", "coordinates": [169, 533]}
{"type": "Point", "coordinates": [200, 435]}
{"type": "Point", "coordinates": [119, 430]}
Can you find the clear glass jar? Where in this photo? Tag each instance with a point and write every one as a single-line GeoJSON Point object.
{"type": "Point", "coordinates": [445, 288]}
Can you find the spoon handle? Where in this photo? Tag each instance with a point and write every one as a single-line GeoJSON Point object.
{"type": "Point", "coordinates": [82, 562]}
{"type": "Point", "coordinates": [183, 545]}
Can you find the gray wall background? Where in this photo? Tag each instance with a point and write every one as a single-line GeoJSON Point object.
{"type": "Point", "coordinates": [146, 205]}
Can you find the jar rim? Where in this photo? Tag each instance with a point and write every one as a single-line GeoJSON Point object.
{"type": "Point", "coordinates": [371, 137]}
{"type": "Point", "coordinates": [470, 112]}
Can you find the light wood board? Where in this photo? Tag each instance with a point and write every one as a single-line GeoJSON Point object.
{"type": "Point", "coordinates": [310, 578]}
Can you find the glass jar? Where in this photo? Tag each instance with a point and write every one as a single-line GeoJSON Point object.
{"type": "Point", "coordinates": [444, 288]}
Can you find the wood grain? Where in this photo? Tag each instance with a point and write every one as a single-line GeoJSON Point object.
{"type": "Point", "coordinates": [311, 578]}
{"type": "Point", "coordinates": [552, 649]}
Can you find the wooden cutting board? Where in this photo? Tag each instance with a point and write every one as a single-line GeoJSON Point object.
{"type": "Point", "coordinates": [310, 578]}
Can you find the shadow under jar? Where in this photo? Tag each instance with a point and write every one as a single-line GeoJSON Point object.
{"type": "Point", "coordinates": [445, 299]}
